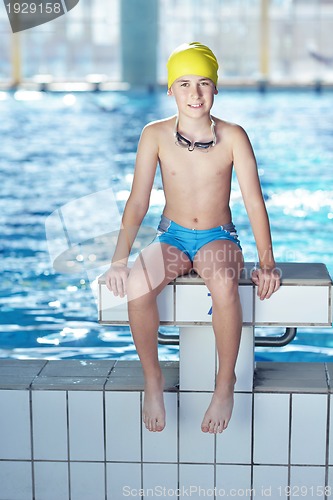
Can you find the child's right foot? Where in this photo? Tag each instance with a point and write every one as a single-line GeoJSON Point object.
{"type": "Point", "coordinates": [217, 416]}
{"type": "Point", "coordinates": [153, 413]}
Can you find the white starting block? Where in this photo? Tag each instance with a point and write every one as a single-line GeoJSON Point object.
{"type": "Point", "coordinates": [304, 299]}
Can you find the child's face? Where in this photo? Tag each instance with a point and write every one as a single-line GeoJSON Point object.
{"type": "Point", "coordinates": [193, 94]}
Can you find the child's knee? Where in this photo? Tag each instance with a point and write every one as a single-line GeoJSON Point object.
{"type": "Point", "coordinates": [224, 290]}
{"type": "Point", "coordinates": [226, 276]}
{"type": "Point", "coordinates": [138, 285]}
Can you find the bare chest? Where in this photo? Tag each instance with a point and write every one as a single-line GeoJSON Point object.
{"type": "Point", "coordinates": [189, 169]}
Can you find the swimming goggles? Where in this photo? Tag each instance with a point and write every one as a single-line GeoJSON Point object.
{"type": "Point", "coordinates": [200, 146]}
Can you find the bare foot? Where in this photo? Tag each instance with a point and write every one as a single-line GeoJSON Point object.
{"type": "Point", "coordinates": [219, 412]}
{"type": "Point", "coordinates": [153, 413]}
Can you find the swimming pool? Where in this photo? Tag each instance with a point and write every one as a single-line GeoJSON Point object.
{"type": "Point", "coordinates": [60, 147]}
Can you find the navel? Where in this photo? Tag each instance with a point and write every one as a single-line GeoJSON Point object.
{"type": "Point", "coordinates": [195, 220]}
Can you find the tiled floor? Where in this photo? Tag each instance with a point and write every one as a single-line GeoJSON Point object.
{"type": "Point", "coordinates": [72, 430]}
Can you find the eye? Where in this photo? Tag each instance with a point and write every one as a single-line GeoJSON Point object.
{"type": "Point", "coordinates": [184, 84]}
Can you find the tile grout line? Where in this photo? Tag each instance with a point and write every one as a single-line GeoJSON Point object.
{"type": "Point", "coordinates": [215, 486]}
{"type": "Point", "coordinates": [105, 427]}
{"type": "Point", "coordinates": [104, 440]}
{"type": "Point", "coordinates": [178, 436]}
{"type": "Point", "coordinates": [32, 461]}
{"type": "Point", "coordinates": [32, 444]}
{"type": "Point", "coordinates": [252, 445]}
{"type": "Point", "coordinates": [327, 458]}
{"type": "Point", "coordinates": [68, 448]}
{"type": "Point", "coordinates": [215, 436]}
{"type": "Point", "coordinates": [289, 439]}
{"type": "Point", "coordinates": [328, 378]}
{"type": "Point", "coordinates": [141, 444]}
{"type": "Point", "coordinates": [40, 371]}
{"type": "Point", "coordinates": [31, 430]}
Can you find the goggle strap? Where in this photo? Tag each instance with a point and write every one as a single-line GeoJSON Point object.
{"type": "Point", "coordinates": [178, 136]}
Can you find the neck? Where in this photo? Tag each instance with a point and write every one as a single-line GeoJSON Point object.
{"type": "Point", "coordinates": [195, 129]}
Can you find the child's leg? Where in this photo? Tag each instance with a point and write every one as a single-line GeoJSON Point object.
{"type": "Point", "coordinates": [156, 266]}
{"type": "Point", "coordinates": [219, 263]}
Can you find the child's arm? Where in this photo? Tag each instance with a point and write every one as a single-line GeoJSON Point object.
{"type": "Point", "coordinates": [135, 209]}
{"type": "Point", "coordinates": [266, 277]}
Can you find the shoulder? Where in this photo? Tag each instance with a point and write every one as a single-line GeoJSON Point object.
{"type": "Point", "coordinates": [233, 135]}
{"type": "Point", "coordinates": [230, 131]}
{"type": "Point", "coordinates": [159, 126]}
{"type": "Point", "coordinates": [152, 135]}
{"type": "Point", "coordinates": [154, 132]}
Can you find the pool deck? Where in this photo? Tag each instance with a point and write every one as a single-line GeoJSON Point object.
{"type": "Point", "coordinates": [126, 375]}
{"type": "Point", "coordinates": [72, 430]}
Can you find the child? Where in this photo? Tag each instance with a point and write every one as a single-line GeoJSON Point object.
{"type": "Point", "coordinates": [196, 153]}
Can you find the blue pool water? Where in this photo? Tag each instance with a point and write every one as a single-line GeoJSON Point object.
{"type": "Point", "coordinates": [56, 148]}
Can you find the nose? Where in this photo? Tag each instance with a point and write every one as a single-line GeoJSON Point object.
{"type": "Point", "coordinates": [195, 93]}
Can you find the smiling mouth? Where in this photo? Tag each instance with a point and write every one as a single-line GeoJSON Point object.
{"type": "Point", "coordinates": [195, 105]}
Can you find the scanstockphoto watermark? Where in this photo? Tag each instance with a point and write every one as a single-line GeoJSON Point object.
{"type": "Point", "coordinates": [193, 491]}
{"type": "Point", "coordinates": [26, 14]}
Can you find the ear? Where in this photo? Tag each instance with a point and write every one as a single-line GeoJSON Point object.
{"type": "Point", "coordinates": [169, 92]}
{"type": "Point", "coordinates": [216, 90]}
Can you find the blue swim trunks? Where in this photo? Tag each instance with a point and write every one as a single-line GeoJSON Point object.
{"type": "Point", "coordinates": [190, 241]}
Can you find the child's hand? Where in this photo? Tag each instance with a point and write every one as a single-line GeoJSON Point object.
{"type": "Point", "coordinates": [115, 279]}
{"type": "Point", "coordinates": [267, 280]}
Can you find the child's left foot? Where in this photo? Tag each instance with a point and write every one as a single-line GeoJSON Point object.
{"type": "Point", "coordinates": [219, 412]}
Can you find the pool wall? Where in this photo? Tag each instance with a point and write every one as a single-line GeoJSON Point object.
{"type": "Point", "coordinates": [72, 430]}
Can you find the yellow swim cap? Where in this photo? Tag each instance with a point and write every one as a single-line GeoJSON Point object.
{"type": "Point", "coordinates": [192, 59]}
